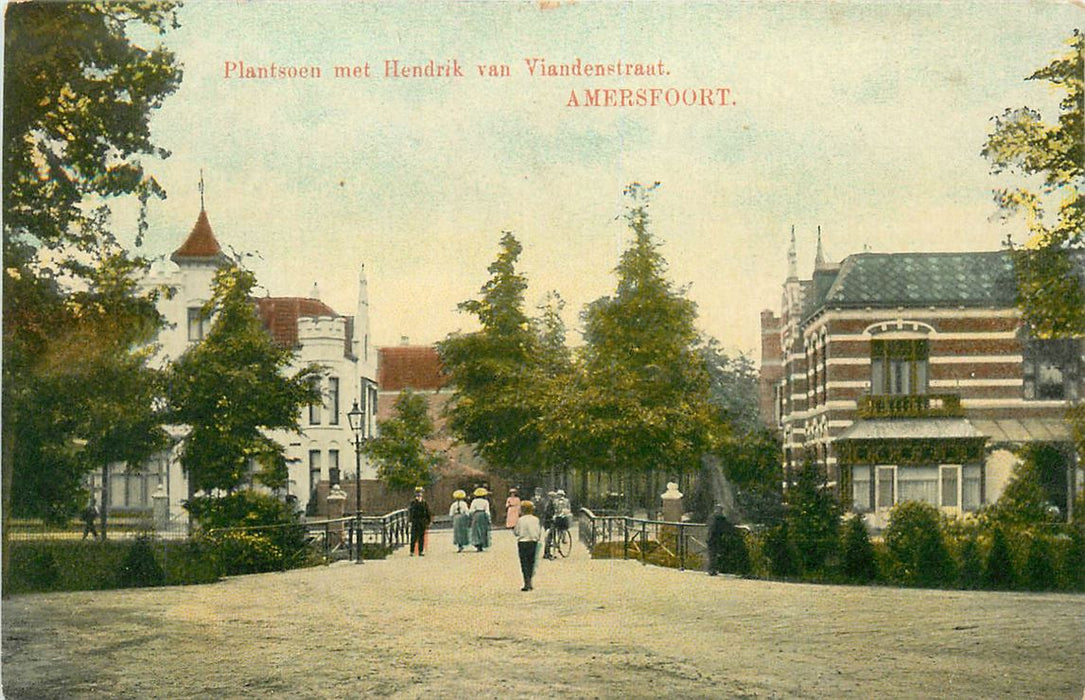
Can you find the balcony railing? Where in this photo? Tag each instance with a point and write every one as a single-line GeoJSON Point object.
{"type": "Point", "coordinates": [911, 406]}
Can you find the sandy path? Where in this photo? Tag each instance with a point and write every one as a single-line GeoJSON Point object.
{"type": "Point", "coordinates": [452, 625]}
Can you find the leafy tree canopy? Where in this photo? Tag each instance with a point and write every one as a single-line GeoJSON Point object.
{"type": "Point", "coordinates": [641, 399]}
{"type": "Point", "coordinates": [1050, 287]}
{"type": "Point", "coordinates": [494, 371]}
{"type": "Point", "coordinates": [403, 460]}
{"type": "Point", "coordinates": [234, 386]}
{"type": "Point", "coordinates": [78, 95]}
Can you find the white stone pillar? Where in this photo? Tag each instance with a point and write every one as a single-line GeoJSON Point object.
{"type": "Point", "coordinates": [672, 503]}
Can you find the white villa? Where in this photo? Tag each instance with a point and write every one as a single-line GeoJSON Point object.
{"type": "Point", "coordinates": [317, 333]}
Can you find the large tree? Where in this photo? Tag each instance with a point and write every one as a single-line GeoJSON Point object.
{"type": "Point", "coordinates": [403, 460]}
{"type": "Point", "coordinates": [234, 387]}
{"type": "Point", "coordinates": [640, 402]}
{"type": "Point", "coordinates": [78, 95]}
{"type": "Point", "coordinates": [495, 371]}
{"type": "Point", "coordinates": [1049, 267]}
{"type": "Point", "coordinates": [1022, 145]}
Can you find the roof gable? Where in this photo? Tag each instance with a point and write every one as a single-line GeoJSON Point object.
{"type": "Point", "coordinates": [415, 367]}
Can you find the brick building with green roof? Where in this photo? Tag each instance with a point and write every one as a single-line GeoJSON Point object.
{"type": "Point", "coordinates": [909, 376]}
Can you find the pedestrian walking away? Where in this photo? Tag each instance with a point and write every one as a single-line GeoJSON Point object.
{"type": "Point", "coordinates": [480, 519]}
{"type": "Point", "coordinates": [461, 520]}
{"type": "Point", "coordinates": [419, 516]}
{"type": "Point", "coordinates": [528, 531]}
{"type": "Point", "coordinates": [90, 515]}
{"type": "Point", "coordinates": [512, 508]}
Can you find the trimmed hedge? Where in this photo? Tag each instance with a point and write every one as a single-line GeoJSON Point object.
{"type": "Point", "coordinates": [920, 548]}
{"type": "Point", "coordinates": [75, 565]}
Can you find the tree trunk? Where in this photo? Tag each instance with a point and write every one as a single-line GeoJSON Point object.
{"type": "Point", "coordinates": [8, 480]}
{"type": "Point", "coordinates": [105, 500]}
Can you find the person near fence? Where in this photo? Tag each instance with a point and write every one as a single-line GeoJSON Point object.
{"type": "Point", "coordinates": [419, 515]}
{"type": "Point", "coordinates": [480, 519]}
{"type": "Point", "coordinates": [90, 515]}
{"type": "Point", "coordinates": [461, 520]}
{"type": "Point", "coordinates": [548, 522]}
{"type": "Point", "coordinates": [512, 508]}
{"type": "Point", "coordinates": [528, 531]}
{"type": "Point", "coordinates": [726, 546]}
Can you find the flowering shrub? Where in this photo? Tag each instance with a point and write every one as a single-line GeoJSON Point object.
{"type": "Point", "coordinates": [244, 552]}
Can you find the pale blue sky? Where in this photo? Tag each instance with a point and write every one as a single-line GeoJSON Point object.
{"type": "Point", "coordinates": [864, 118]}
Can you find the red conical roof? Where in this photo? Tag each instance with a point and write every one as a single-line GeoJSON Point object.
{"type": "Point", "coordinates": [201, 243]}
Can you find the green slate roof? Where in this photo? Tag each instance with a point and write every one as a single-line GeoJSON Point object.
{"type": "Point", "coordinates": [882, 280]}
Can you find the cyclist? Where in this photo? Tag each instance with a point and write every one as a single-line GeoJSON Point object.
{"type": "Point", "coordinates": [563, 513]}
{"type": "Point", "coordinates": [548, 522]}
{"type": "Point", "coordinates": [560, 514]}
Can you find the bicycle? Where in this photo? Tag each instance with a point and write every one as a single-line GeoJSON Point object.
{"type": "Point", "coordinates": [561, 541]}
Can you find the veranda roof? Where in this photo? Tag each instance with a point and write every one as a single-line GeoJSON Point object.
{"type": "Point", "coordinates": [1024, 429]}
{"type": "Point", "coordinates": [911, 429]}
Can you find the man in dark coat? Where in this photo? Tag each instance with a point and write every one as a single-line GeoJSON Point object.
{"type": "Point", "coordinates": [89, 515]}
{"type": "Point", "coordinates": [726, 546]}
{"type": "Point", "coordinates": [419, 515]}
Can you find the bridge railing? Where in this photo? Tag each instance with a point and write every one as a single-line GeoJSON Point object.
{"type": "Point", "coordinates": [676, 544]}
{"type": "Point", "coordinates": [353, 532]}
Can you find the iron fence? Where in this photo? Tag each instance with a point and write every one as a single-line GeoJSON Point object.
{"type": "Point", "coordinates": [350, 533]}
{"type": "Point", "coordinates": [33, 530]}
{"type": "Point", "coordinates": [678, 544]}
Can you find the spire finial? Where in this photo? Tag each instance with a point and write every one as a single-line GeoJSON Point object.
{"type": "Point", "coordinates": [201, 189]}
{"type": "Point", "coordinates": [819, 258]}
{"type": "Point", "coordinates": [792, 257]}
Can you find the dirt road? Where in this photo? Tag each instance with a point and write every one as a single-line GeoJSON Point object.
{"type": "Point", "coordinates": [456, 625]}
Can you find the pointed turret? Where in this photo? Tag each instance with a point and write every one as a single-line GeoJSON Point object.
{"type": "Point", "coordinates": [201, 246]}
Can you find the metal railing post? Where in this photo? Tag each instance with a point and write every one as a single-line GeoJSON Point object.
{"type": "Point", "coordinates": [681, 547]}
{"type": "Point", "coordinates": [644, 541]}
